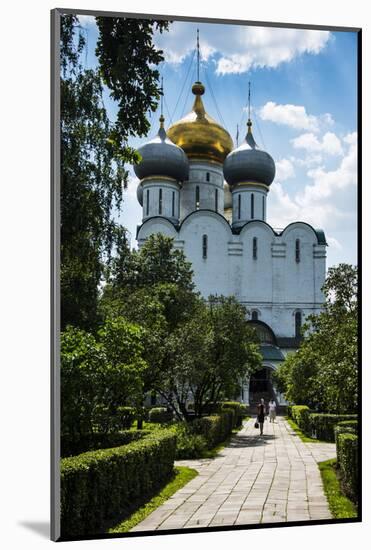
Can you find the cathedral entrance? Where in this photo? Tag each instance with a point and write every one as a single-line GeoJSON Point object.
{"type": "Point", "coordinates": [261, 386]}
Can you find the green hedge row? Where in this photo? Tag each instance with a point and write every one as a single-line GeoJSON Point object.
{"type": "Point", "coordinates": [215, 428]}
{"type": "Point", "coordinates": [95, 441]}
{"type": "Point", "coordinates": [322, 425]}
{"type": "Point", "coordinates": [240, 410]}
{"type": "Point", "coordinates": [347, 426]}
{"type": "Point", "coordinates": [160, 415]}
{"type": "Point", "coordinates": [317, 425]}
{"type": "Point", "coordinates": [300, 415]}
{"type": "Point", "coordinates": [347, 462]}
{"type": "Point", "coordinates": [99, 486]}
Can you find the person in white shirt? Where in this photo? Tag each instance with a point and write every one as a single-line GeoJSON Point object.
{"type": "Point", "coordinates": [272, 410]}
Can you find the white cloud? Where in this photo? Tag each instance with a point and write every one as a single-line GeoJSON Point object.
{"type": "Point", "coordinates": [329, 144]}
{"type": "Point", "coordinates": [294, 116]}
{"type": "Point", "coordinates": [238, 49]}
{"type": "Point", "coordinates": [284, 170]}
{"type": "Point", "coordinates": [321, 203]}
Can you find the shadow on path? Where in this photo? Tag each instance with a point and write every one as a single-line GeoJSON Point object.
{"type": "Point", "coordinates": [250, 440]}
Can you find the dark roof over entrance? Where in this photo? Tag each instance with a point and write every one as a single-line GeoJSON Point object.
{"type": "Point", "coordinates": [271, 353]}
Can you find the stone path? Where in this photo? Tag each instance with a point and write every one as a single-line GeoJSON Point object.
{"type": "Point", "coordinates": [273, 478]}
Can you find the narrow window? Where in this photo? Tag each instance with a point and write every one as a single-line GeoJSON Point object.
{"type": "Point", "coordinates": [173, 205]}
{"type": "Point", "coordinates": [207, 176]}
{"type": "Point", "coordinates": [254, 315]}
{"type": "Point", "coordinates": [255, 248]}
{"type": "Point", "coordinates": [298, 324]}
{"type": "Point", "coordinates": [204, 247]}
{"type": "Point", "coordinates": [297, 250]}
{"type": "Point", "coordinates": [147, 206]}
{"type": "Point", "coordinates": [216, 200]}
{"type": "Point", "coordinates": [252, 206]}
{"type": "Point", "coordinates": [197, 197]}
{"type": "Point", "coordinates": [263, 207]}
{"type": "Point", "coordinates": [160, 201]}
{"type": "Point", "coordinates": [239, 207]}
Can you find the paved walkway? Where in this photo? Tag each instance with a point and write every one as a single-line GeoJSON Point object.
{"type": "Point", "coordinates": [273, 478]}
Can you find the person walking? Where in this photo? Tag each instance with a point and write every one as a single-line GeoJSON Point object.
{"type": "Point", "coordinates": [261, 415]}
{"type": "Point", "coordinates": [272, 410]}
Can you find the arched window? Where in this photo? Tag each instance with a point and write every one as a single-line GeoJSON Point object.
{"type": "Point", "coordinates": [173, 204]}
{"type": "Point", "coordinates": [298, 321]}
{"type": "Point", "coordinates": [252, 206]}
{"type": "Point", "coordinates": [255, 248]}
{"type": "Point", "coordinates": [160, 201]}
{"type": "Point", "coordinates": [239, 207]}
{"type": "Point", "coordinates": [197, 197]}
{"type": "Point", "coordinates": [216, 200]}
{"type": "Point", "coordinates": [147, 201]}
{"type": "Point", "coordinates": [204, 247]}
{"type": "Point", "coordinates": [263, 198]}
{"type": "Point", "coordinates": [254, 315]}
{"type": "Point", "coordinates": [207, 176]}
{"type": "Point", "coordinates": [297, 250]}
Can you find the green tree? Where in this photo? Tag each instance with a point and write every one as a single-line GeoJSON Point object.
{"type": "Point", "coordinates": [99, 374]}
{"type": "Point", "coordinates": [324, 372]}
{"type": "Point", "coordinates": [208, 356]}
{"type": "Point", "coordinates": [128, 63]}
{"type": "Point", "coordinates": [94, 150]}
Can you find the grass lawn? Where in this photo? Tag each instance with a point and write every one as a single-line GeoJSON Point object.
{"type": "Point", "coordinates": [340, 506]}
{"type": "Point", "coordinates": [182, 476]}
{"type": "Point", "coordinates": [298, 432]}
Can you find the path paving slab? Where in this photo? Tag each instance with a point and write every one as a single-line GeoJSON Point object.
{"type": "Point", "coordinates": [272, 478]}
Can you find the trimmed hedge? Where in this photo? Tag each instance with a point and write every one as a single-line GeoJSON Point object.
{"type": "Point", "coordinates": [95, 441]}
{"type": "Point", "coordinates": [215, 428]}
{"type": "Point", "coordinates": [160, 415]}
{"type": "Point", "coordinates": [98, 486]}
{"type": "Point", "coordinates": [300, 415]}
{"type": "Point", "coordinates": [347, 462]}
{"type": "Point", "coordinates": [346, 426]}
{"type": "Point", "coordinates": [240, 410]}
{"type": "Point", "coordinates": [322, 425]}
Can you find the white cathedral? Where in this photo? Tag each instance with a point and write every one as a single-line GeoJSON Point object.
{"type": "Point", "coordinates": [212, 200]}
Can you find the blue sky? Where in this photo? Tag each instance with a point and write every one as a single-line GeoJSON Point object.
{"type": "Point", "coordinates": [304, 111]}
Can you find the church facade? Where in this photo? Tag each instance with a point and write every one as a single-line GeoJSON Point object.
{"type": "Point", "coordinates": [212, 199]}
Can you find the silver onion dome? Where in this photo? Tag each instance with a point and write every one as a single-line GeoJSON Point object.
{"type": "Point", "coordinates": [249, 163]}
{"type": "Point", "coordinates": [227, 196]}
{"type": "Point", "coordinates": [161, 157]}
{"type": "Point", "coordinates": [140, 194]}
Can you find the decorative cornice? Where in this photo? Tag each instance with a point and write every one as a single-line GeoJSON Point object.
{"type": "Point", "coordinates": [250, 184]}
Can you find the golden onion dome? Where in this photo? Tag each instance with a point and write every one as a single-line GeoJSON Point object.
{"type": "Point", "coordinates": [199, 135]}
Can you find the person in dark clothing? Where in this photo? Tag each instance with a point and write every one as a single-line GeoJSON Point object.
{"type": "Point", "coordinates": [261, 415]}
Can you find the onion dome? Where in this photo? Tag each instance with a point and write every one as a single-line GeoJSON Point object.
{"type": "Point", "coordinates": [161, 157]}
{"type": "Point", "coordinates": [140, 194]}
{"type": "Point", "coordinates": [199, 135]}
{"type": "Point", "coordinates": [227, 196]}
{"type": "Point", "coordinates": [248, 163]}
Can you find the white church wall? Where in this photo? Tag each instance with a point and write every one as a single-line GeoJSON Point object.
{"type": "Point", "coordinates": [299, 276]}
{"type": "Point", "coordinates": [256, 273]}
{"type": "Point", "coordinates": [156, 225]}
{"type": "Point", "coordinates": [211, 274]}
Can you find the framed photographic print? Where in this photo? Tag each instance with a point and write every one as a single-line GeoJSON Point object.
{"type": "Point", "coordinates": [205, 192]}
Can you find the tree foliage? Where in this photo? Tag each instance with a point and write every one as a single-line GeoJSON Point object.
{"type": "Point", "coordinates": [94, 150]}
{"type": "Point", "coordinates": [323, 374]}
{"type": "Point", "coordinates": [99, 374]}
